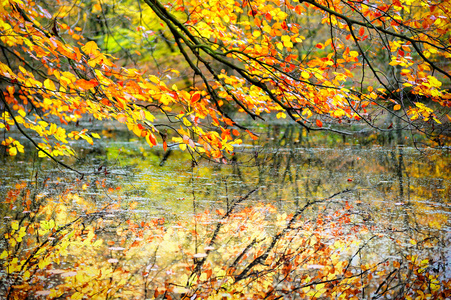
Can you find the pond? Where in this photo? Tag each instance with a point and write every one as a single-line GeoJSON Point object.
{"type": "Point", "coordinates": [293, 215]}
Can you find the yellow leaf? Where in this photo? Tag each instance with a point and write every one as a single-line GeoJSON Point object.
{"type": "Point", "coordinates": [48, 84]}
{"type": "Point", "coordinates": [77, 296]}
{"type": "Point", "coordinates": [281, 115]}
{"type": "Point", "coordinates": [397, 107]}
{"type": "Point", "coordinates": [12, 151]}
{"type": "Point", "coordinates": [96, 7]}
{"type": "Point", "coordinates": [165, 99]}
{"type": "Point", "coordinates": [285, 38]}
{"type": "Point", "coordinates": [90, 48]}
{"type": "Point", "coordinates": [353, 53]}
{"type": "Point", "coordinates": [305, 75]}
{"type": "Point", "coordinates": [15, 225]}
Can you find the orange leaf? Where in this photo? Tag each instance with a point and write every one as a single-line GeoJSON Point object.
{"type": "Point", "coordinates": [228, 121]}
{"type": "Point", "coordinates": [319, 123]}
{"type": "Point", "coordinates": [150, 139]}
{"type": "Point", "coordinates": [195, 97]}
{"type": "Point", "coordinates": [85, 84]}
{"type": "Point", "coordinates": [397, 107]}
{"type": "Point", "coordinates": [361, 31]}
{"type": "Point", "coordinates": [165, 145]}
{"type": "Point", "coordinates": [253, 136]}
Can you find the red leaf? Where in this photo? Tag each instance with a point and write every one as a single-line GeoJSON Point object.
{"type": "Point", "coordinates": [195, 97]}
{"type": "Point", "coordinates": [150, 138]}
{"type": "Point", "coordinates": [284, 25]}
{"type": "Point", "coordinates": [319, 123]}
{"type": "Point", "coordinates": [361, 31]}
{"type": "Point", "coordinates": [298, 9]}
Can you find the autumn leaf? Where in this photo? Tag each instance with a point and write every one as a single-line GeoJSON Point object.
{"type": "Point", "coordinates": [248, 67]}
{"type": "Point", "coordinates": [85, 84]}
{"type": "Point", "coordinates": [361, 31]}
{"type": "Point", "coordinates": [150, 138]}
{"type": "Point", "coordinates": [195, 97]}
{"type": "Point", "coordinates": [90, 48]}
{"type": "Point", "coordinates": [253, 136]}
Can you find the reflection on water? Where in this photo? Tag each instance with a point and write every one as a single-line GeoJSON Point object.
{"type": "Point", "coordinates": [395, 199]}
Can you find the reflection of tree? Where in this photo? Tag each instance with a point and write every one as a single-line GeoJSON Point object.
{"type": "Point", "coordinates": [384, 190]}
{"type": "Point", "coordinates": [253, 251]}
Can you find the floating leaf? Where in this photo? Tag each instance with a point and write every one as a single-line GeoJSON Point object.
{"type": "Point", "coordinates": [200, 255]}
{"type": "Point", "coordinates": [68, 274]}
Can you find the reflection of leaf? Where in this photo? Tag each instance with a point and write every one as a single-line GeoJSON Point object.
{"type": "Point", "coordinates": [15, 225]}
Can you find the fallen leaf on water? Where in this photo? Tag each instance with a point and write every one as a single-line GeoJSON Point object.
{"type": "Point", "coordinates": [68, 274]}
{"type": "Point", "coordinates": [181, 290]}
{"type": "Point", "coordinates": [43, 293]}
{"type": "Point", "coordinates": [200, 255]}
{"type": "Point", "coordinates": [116, 248]}
{"type": "Point", "coordinates": [56, 271]}
{"type": "Point", "coordinates": [315, 267]}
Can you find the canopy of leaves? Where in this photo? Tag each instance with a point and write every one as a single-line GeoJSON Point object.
{"type": "Point", "coordinates": [361, 61]}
